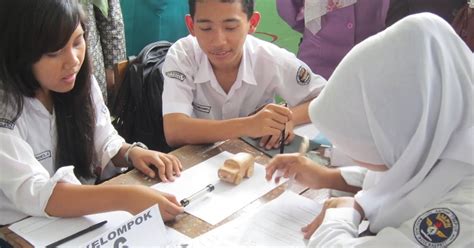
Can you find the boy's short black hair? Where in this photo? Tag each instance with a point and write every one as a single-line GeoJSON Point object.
{"type": "Point", "coordinates": [247, 6]}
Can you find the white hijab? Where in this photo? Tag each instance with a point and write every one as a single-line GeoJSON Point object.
{"type": "Point", "coordinates": [315, 9]}
{"type": "Point", "coordinates": [403, 98]}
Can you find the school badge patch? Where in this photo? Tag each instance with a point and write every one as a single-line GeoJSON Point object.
{"type": "Point", "coordinates": [437, 227]}
{"type": "Point", "coordinates": [303, 77]}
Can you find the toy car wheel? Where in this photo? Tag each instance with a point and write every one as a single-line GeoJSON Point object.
{"type": "Point", "coordinates": [238, 179]}
{"type": "Point", "coordinates": [249, 172]}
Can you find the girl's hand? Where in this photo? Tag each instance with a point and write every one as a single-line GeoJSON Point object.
{"type": "Point", "coordinates": [168, 165]}
{"type": "Point", "coordinates": [301, 168]}
{"type": "Point", "coordinates": [339, 202]}
{"type": "Point", "coordinates": [142, 197]}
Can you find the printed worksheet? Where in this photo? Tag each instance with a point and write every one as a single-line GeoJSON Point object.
{"type": "Point", "coordinates": [277, 223]}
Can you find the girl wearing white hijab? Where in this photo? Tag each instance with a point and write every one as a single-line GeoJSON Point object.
{"type": "Point", "coordinates": [401, 105]}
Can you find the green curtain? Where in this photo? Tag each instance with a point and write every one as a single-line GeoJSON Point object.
{"type": "Point", "coordinates": [147, 21]}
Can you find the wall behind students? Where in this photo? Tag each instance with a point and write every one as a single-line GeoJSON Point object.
{"type": "Point", "coordinates": [273, 28]}
{"type": "Point", "coordinates": [147, 21]}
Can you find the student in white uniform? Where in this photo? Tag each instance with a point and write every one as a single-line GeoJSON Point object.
{"type": "Point", "coordinates": [53, 116]}
{"type": "Point", "coordinates": [401, 105]}
{"type": "Point", "coordinates": [220, 82]}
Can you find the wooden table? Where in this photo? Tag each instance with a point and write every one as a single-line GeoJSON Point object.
{"type": "Point", "coordinates": [189, 155]}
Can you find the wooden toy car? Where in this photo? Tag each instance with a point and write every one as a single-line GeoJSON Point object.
{"type": "Point", "coordinates": [235, 168]}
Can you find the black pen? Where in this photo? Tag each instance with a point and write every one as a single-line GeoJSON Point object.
{"type": "Point", "coordinates": [209, 188]}
{"type": "Point", "coordinates": [75, 235]}
{"type": "Point", "coordinates": [282, 141]}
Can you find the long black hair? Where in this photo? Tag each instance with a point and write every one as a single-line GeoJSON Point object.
{"type": "Point", "coordinates": [31, 28]}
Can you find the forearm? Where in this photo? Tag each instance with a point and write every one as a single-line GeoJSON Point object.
{"type": "Point", "coordinates": [334, 180]}
{"type": "Point", "coordinates": [300, 114]}
{"type": "Point", "coordinates": [71, 200]}
{"type": "Point", "coordinates": [188, 130]}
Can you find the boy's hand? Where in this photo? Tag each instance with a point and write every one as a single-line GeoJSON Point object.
{"type": "Point", "coordinates": [269, 121]}
{"type": "Point", "coordinates": [168, 165]}
{"type": "Point", "coordinates": [274, 142]}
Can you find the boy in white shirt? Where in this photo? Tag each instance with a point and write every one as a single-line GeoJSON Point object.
{"type": "Point", "coordinates": [220, 82]}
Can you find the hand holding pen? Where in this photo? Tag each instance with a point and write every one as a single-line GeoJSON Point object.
{"type": "Point", "coordinates": [268, 124]}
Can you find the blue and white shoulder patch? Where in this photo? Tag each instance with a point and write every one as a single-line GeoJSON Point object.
{"type": "Point", "coordinates": [303, 76]}
{"type": "Point", "coordinates": [437, 227]}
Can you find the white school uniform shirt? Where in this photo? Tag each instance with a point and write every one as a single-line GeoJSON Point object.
{"type": "Point", "coordinates": [27, 154]}
{"type": "Point", "coordinates": [414, 114]}
{"type": "Point", "coordinates": [453, 213]}
{"type": "Point", "coordinates": [191, 88]}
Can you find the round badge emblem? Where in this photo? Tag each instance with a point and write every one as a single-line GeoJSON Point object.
{"type": "Point", "coordinates": [437, 227]}
{"type": "Point", "coordinates": [303, 77]}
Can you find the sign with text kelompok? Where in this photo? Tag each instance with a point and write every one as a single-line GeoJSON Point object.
{"type": "Point", "coordinates": [144, 229]}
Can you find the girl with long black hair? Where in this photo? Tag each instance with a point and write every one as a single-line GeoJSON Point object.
{"type": "Point", "coordinates": [53, 116]}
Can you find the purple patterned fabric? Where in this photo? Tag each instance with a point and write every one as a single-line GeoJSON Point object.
{"type": "Point", "coordinates": [341, 30]}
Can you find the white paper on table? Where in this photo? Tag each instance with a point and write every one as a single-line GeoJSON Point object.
{"type": "Point", "coordinates": [226, 198]}
{"type": "Point", "coordinates": [177, 239]}
{"type": "Point", "coordinates": [41, 231]}
{"type": "Point", "coordinates": [277, 223]}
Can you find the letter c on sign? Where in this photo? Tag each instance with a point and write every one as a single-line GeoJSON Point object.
{"type": "Point", "coordinates": [119, 241]}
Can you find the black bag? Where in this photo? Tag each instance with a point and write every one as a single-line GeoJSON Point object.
{"type": "Point", "coordinates": [138, 106]}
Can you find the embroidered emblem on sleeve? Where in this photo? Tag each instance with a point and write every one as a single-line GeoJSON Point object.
{"type": "Point", "coordinates": [4, 123]}
{"type": "Point", "coordinates": [176, 75]}
{"type": "Point", "coordinates": [303, 77]}
{"type": "Point", "coordinates": [201, 108]}
{"type": "Point", "coordinates": [437, 227]}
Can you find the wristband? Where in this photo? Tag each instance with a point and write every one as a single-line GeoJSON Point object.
{"type": "Point", "coordinates": [139, 144]}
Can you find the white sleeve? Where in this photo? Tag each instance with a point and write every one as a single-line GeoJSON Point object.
{"type": "Point", "coordinates": [447, 223]}
{"type": "Point", "coordinates": [107, 141]}
{"type": "Point", "coordinates": [340, 229]}
{"type": "Point", "coordinates": [298, 83]}
{"type": "Point", "coordinates": [24, 181]}
{"type": "Point", "coordinates": [353, 175]}
{"type": "Point", "coordinates": [178, 85]}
